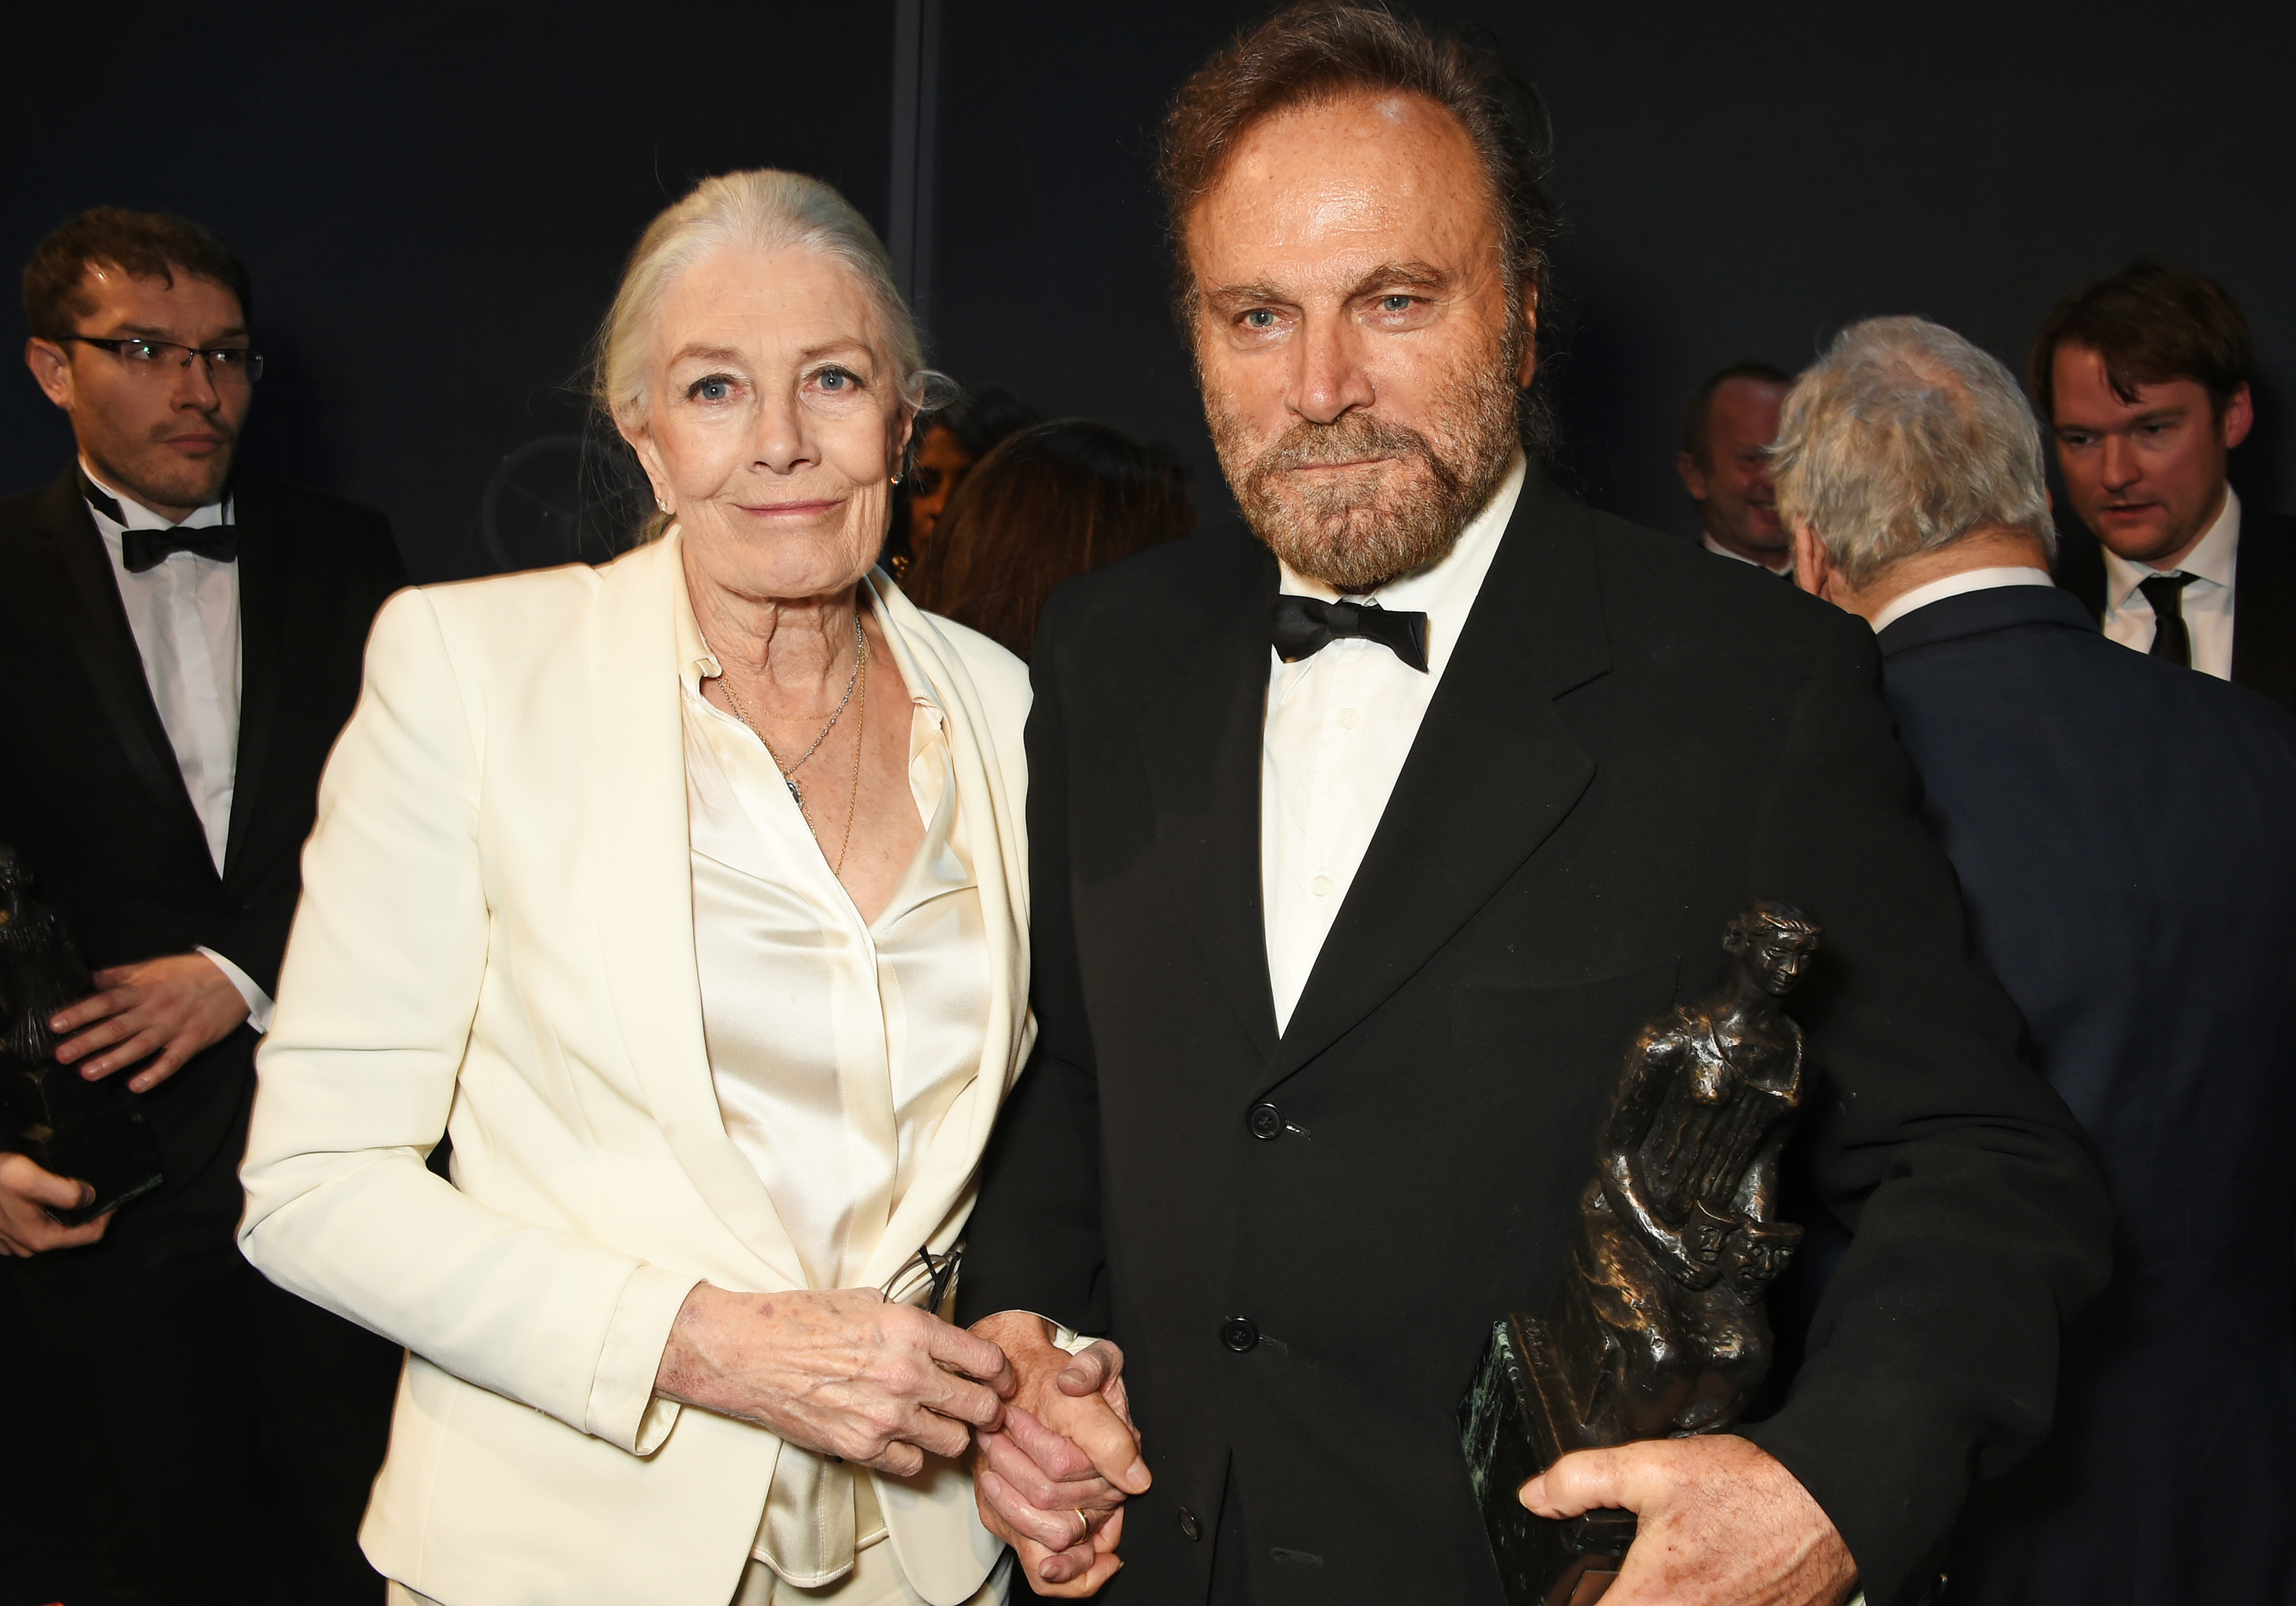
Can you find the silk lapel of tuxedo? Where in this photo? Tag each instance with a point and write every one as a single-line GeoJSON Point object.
{"type": "Point", "coordinates": [70, 564]}
{"type": "Point", "coordinates": [642, 868]}
{"type": "Point", "coordinates": [1494, 771]}
{"type": "Point", "coordinates": [1201, 729]}
{"type": "Point", "coordinates": [265, 578]}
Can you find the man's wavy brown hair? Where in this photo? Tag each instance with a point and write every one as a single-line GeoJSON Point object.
{"type": "Point", "coordinates": [1320, 50]}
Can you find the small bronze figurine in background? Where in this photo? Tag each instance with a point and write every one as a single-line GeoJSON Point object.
{"type": "Point", "coordinates": [1659, 1328]}
{"type": "Point", "coordinates": [91, 1132]}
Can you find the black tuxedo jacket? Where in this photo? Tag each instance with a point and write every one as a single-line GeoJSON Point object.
{"type": "Point", "coordinates": [1634, 740]}
{"type": "Point", "coordinates": [2125, 832]}
{"type": "Point", "coordinates": [90, 793]}
{"type": "Point", "coordinates": [2263, 596]}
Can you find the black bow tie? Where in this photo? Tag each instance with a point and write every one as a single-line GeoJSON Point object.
{"type": "Point", "coordinates": [146, 549]}
{"type": "Point", "coordinates": [1300, 626]}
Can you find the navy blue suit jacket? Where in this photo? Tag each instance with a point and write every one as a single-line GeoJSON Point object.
{"type": "Point", "coordinates": [2125, 832]}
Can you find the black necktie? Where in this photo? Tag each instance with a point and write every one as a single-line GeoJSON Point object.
{"type": "Point", "coordinates": [1301, 627]}
{"type": "Point", "coordinates": [2170, 639]}
{"type": "Point", "coordinates": [146, 549]}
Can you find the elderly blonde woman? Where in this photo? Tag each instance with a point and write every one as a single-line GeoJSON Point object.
{"type": "Point", "coordinates": [687, 894]}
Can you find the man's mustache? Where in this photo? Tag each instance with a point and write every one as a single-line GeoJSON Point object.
{"type": "Point", "coordinates": [1307, 445]}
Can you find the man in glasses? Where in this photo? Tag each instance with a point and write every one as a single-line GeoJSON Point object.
{"type": "Point", "coordinates": [179, 644]}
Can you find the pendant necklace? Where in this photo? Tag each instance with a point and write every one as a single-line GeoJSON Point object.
{"type": "Point", "coordinates": [859, 678]}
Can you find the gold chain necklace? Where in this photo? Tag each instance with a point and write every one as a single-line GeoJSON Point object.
{"type": "Point", "coordinates": [858, 678]}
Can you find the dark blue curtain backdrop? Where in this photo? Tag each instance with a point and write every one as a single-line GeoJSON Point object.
{"type": "Point", "coordinates": [435, 201]}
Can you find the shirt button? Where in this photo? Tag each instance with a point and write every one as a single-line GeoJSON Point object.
{"type": "Point", "coordinates": [1349, 719]}
{"type": "Point", "coordinates": [1321, 886]}
{"type": "Point", "coordinates": [1191, 1529]}
{"type": "Point", "coordinates": [1241, 1334]}
{"type": "Point", "coordinates": [1265, 1122]}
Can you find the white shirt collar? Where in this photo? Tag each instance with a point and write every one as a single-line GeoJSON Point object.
{"type": "Point", "coordinates": [1957, 585]}
{"type": "Point", "coordinates": [1444, 590]}
{"type": "Point", "coordinates": [2213, 560]}
{"type": "Point", "coordinates": [1720, 551]}
{"type": "Point", "coordinates": [140, 517]}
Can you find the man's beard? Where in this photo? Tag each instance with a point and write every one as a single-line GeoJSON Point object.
{"type": "Point", "coordinates": [1355, 534]}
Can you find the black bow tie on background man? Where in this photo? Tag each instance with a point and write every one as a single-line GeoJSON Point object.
{"type": "Point", "coordinates": [1300, 626]}
{"type": "Point", "coordinates": [146, 549]}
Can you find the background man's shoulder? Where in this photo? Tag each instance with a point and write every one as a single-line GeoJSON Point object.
{"type": "Point", "coordinates": [300, 508]}
{"type": "Point", "coordinates": [1669, 597]}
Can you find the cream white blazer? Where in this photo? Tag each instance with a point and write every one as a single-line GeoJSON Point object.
{"type": "Point", "coordinates": [495, 940]}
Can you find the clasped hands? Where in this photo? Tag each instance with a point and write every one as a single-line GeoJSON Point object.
{"type": "Point", "coordinates": [845, 1372]}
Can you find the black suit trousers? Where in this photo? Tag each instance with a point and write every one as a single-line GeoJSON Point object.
{"type": "Point", "coordinates": [225, 1432]}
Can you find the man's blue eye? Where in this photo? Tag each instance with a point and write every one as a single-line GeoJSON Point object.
{"type": "Point", "coordinates": [1260, 317]}
{"type": "Point", "coordinates": [1396, 303]}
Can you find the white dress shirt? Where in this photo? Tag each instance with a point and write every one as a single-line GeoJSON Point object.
{"type": "Point", "coordinates": [184, 616]}
{"type": "Point", "coordinates": [1340, 725]}
{"type": "Point", "coordinates": [837, 1045]}
{"type": "Point", "coordinates": [1957, 585]}
{"type": "Point", "coordinates": [2207, 602]}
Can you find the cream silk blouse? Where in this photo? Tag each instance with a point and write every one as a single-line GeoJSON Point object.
{"type": "Point", "coordinates": [836, 1044]}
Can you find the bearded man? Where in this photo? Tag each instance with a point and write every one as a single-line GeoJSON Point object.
{"type": "Point", "coordinates": [1360, 852]}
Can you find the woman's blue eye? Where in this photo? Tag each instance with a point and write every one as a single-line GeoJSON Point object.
{"type": "Point", "coordinates": [713, 388]}
{"type": "Point", "coordinates": [839, 379]}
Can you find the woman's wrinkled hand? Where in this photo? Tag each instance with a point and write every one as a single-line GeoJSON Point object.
{"type": "Point", "coordinates": [839, 1372]}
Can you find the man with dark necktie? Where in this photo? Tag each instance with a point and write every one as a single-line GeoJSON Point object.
{"type": "Point", "coordinates": [179, 645]}
{"type": "Point", "coordinates": [1362, 844]}
{"type": "Point", "coordinates": [2143, 378]}
{"type": "Point", "coordinates": [2142, 912]}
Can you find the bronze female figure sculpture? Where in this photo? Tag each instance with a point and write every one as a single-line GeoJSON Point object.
{"type": "Point", "coordinates": [1658, 1329]}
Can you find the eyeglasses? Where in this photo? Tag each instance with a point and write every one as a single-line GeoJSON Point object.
{"type": "Point", "coordinates": [149, 358]}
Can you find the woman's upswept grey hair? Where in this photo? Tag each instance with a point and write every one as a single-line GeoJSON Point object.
{"type": "Point", "coordinates": [763, 210]}
{"type": "Point", "coordinates": [1902, 438]}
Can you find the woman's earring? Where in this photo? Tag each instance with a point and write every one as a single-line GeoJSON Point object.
{"type": "Point", "coordinates": [897, 479]}
{"type": "Point", "coordinates": [662, 504]}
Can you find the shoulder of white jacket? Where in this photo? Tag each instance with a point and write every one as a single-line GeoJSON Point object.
{"type": "Point", "coordinates": [513, 611]}
{"type": "Point", "coordinates": [1000, 678]}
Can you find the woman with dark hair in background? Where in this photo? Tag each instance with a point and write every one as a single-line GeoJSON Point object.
{"type": "Point", "coordinates": [951, 440]}
{"type": "Point", "coordinates": [1052, 502]}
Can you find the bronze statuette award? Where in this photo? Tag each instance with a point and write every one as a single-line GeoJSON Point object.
{"type": "Point", "coordinates": [1658, 1330]}
{"type": "Point", "coordinates": [93, 1132]}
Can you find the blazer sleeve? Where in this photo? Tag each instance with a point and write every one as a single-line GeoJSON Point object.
{"type": "Point", "coordinates": [355, 1081]}
{"type": "Point", "coordinates": [1033, 1240]}
{"type": "Point", "coordinates": [1981, 1223]}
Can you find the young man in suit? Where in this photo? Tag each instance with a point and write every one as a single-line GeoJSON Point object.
{"type": "Point", "coordinates": [2162, 995]}
{"type": "Point", "coordinates": [2143, 378]}
{"type": "Point", "coordinates": [179, 644]}
{"type": "Point", "coordinates": [1357, 864]}
{"type": "Point", "coordinates": [1728, 426]}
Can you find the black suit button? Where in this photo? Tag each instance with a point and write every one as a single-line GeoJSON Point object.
{"type": "Point", "coordinates": [1191, 1529]}
{"type": "Point", "coordinates": [1241, 1334]}
{"type": "Point", "coordinates": [1265, 1121]}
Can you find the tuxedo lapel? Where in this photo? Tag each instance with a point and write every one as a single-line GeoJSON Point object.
{"type": "Point", "coordinates": [1202, 733]}
{"type": "Point", "coordinates": [265, 575]}
{"type": "Point", "coordinates": [642, 861]}
{"type": "Point", "coordinates": [69, 564]}
{"type": "Point", "coordinates": [1494, 770]}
